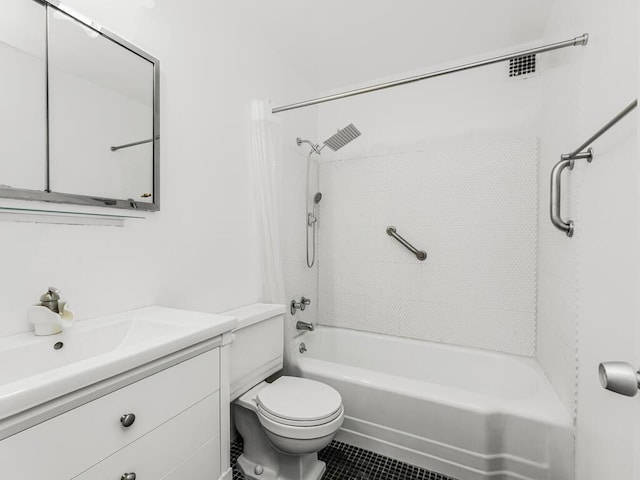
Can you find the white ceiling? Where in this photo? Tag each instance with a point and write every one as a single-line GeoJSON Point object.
{"type": "Point", "coordinates": [336, 43]}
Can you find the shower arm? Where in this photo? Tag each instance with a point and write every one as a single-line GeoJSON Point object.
{"type": "Point", "coordinates": [316, 148]}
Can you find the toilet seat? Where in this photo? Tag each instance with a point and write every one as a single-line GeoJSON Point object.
{"type": "Point", "coordinates": [301, 433]}
{"type": "Point", "coordinates": [300, 423]}
{"type": "Point", "coordinates": [299, 401]}
{"type": "Point", "coordinates": [299, 408]}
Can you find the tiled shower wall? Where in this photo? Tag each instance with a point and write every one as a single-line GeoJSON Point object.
{"type": "Point", "coordinates": [473, 209]}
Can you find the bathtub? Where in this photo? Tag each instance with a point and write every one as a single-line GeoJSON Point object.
{"type": "Point", "coordinates": [466, 413]}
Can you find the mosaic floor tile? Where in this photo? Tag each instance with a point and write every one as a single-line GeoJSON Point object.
{"type": "Point", "coordinates": [346, 462]}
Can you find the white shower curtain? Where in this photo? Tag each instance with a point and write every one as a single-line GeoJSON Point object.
{"type": "Point", "coordinates": [267, 174]}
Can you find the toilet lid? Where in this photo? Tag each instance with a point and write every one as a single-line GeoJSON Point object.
{"type": "Point", "coordinates": [301, 401]}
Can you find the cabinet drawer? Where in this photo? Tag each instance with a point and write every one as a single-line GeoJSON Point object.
{"type": "Point", "coordinates": [204, 464]}
{"type": "Point", "coordinates": [158, 452]}
{"type": "Point", "coordinates": [76, 440]}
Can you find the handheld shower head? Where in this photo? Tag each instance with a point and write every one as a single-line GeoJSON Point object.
{"type": "Point", "coordinates": [317, 197]}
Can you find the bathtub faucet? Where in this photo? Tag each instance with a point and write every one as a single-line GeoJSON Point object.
{"type": "Point", "coordinates": [300, 325]}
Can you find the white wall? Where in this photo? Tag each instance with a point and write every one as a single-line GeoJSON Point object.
{"type": "Point", "coordinates": [199, 251]}
{"type": "Point", "coordinates": [588, 284]}
{"type": "Point", "coordinates": [451, 162]}
{"type": "Point", "coordinates": [558, 262]}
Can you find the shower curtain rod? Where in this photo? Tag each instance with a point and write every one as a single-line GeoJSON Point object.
{"type": "Point", "coordinates": [581, 40]}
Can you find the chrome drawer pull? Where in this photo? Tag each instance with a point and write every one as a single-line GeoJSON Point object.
{"type": "Point", "coordinates": [128, 476]}
{"type": "Point", "coordinates": [126, 421]}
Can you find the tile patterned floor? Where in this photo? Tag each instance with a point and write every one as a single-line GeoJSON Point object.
{"type": "Point", "coordinates": [346, 462]}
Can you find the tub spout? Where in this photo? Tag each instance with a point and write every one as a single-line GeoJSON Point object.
{"type": "Point", "coordinates": [300, 325]}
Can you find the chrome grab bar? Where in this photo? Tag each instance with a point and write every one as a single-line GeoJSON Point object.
{"type": "Point", "coordinates": [420, 254]}
{"type": "Point", "coordinates": [567, 161]}
{"type": "Point", "coordinates": [556, 188]}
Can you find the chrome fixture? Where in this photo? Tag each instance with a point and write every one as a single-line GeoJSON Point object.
{"type": "Point", "coordinates": [50, 299]}
{"type": "Point", "coordinates": [302, 348]}
{"type": "Point", "coordinates": [301, 305]}
{"type": "Point", "coordinates": [420, 254]}
{"type": "Point", "coordinates": [127, 419]}
{"type": "Point", "coordinates": [335, 143]}
{"type": "Point", "coordinates": [619, 377]}
{"type": "Point", "coordinates": [313, 217]}
{"type": "Point", "coordinates": [308, 326]}
{"type": "Point", "coordinates": [556, 188]}
{"type": "Point", "coordinates": [128, 476]}
{"type": "Point", "coordinates": [314, 146]}
{"type": "Point", "coordinates": [574, 42]}
{"type": "Point", "coordinates": [567, 160]}
{"type": "Point", "coordinates": [312, 220]}
{"type": "Point", "coordinates": [338, 140]}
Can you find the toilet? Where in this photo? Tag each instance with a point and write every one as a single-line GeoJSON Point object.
{"type": "Point", "coordinates": [283, 423]}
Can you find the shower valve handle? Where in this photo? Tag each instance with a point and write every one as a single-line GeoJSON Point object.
{"type": "Point", "coordinates": [301, 305]}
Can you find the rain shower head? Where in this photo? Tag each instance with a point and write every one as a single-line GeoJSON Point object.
{"type": "Point", "coordinates": [334, 142]}
{"type": "Point", "coordinates": [344, 136]}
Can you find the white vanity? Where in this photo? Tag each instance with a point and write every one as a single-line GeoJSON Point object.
{"type": "Point", "coordinates": [135, 396]}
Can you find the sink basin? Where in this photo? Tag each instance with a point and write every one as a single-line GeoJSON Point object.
{"type": "Point", "coordinates": [38, 369]}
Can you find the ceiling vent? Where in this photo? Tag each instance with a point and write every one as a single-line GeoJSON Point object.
{"type": "Point", "coordinates": [524, 66]}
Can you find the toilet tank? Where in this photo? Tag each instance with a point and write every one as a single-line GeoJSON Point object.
{"type": "Point", "coordinates": [257, 349]}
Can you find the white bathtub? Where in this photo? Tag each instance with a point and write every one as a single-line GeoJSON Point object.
{"type": "Point", "coordinates": [466, 413]}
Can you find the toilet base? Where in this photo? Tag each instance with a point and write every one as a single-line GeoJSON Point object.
{"type": "Point", "coordinates": [304, 467]}
{"type": "Point", "coordinates": [270, 463]}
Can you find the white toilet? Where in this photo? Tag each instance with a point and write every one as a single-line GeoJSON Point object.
{"type": "Point", "coordinates": [284, 423]}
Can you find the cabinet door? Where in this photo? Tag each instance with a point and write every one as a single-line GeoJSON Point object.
{"type": "Point", "coordinates": [204, 464]}
{"type": "Point", "coordinates": [75, 441]}
{"type": "Point", "coordinates": [157, 453]}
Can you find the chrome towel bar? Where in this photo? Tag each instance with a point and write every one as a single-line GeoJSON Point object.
{"type": "Point", "coordinates": [567, 160]}
{"type": "Point", "coordinates": [420, 254]}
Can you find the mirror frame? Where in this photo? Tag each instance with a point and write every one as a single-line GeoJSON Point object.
{"type": "Point", "coordinates": [87, 200]}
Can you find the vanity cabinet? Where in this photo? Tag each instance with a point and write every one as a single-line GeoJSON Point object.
{"type": "Point", "coordinates": [176, 433]}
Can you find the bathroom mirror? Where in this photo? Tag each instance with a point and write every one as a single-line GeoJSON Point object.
{"type": "Point", "coordinates": [23, 96]}
{"type": "Point", "coordinates": [99, 112]}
